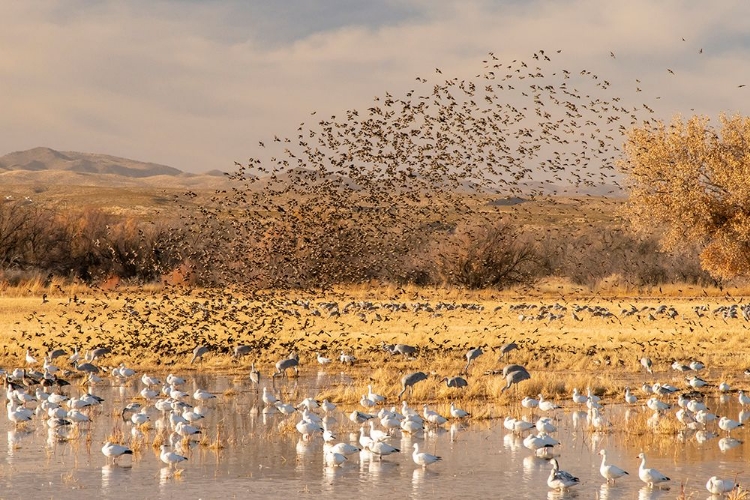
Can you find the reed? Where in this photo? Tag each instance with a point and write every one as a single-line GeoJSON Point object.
{"type": "Point", "coordinates": [155, 331]}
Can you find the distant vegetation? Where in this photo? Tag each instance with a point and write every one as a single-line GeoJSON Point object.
{"type": "Point", "coordinates": [693, 180]}
{"type": "Point", "coordinates": [41, 242]}
{"type": "Point", "coordinates": [285, 245]}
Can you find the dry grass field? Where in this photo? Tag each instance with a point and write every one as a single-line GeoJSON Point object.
{"type": "Point", "coordinates": [566, 338]}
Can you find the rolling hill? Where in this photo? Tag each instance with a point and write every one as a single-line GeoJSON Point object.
{"type": "Point", "coordinates": [59, 168]}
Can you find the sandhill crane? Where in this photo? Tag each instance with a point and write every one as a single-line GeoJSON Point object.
{"type": "Point", "coordinates": [409, 380]}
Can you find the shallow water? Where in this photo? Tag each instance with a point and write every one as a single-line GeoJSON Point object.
{"type": "Point", "coordinates": [264, 456]}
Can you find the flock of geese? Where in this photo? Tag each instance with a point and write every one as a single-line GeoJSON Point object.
{"type": "Point", "coordinates": [34, 396]}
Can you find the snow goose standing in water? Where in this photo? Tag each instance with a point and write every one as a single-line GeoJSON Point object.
{"type": "Point", "coordinates": [169, 457]}
{"type": "Point", "coordinates": [327, 406]}
{"type": "Point", "coordinates": [560, 479]}
{"type": "Point", "coordinates": [334, 459]}
{"type": "Point", "coordinates": [458, 412]}
{"type": "Point", "coordinates": [433, 417]}
{"type": "Point", "coordinates": [610, 472]}
{"type": "Point", "coordinates": [114, 451]}
{"type": "Point", "coordinates": [545, 405]}
{"type": "Point", "coordinates": [423, 459]}
{"type": "Point", "coordinates": [649, 476]}
{"type": "Point", "coordinates": [629, 397]}
{"type": "Point", "coordinates": [717, 486]}
{"type": "Point", "coordinates": [727, 424]}
{"type": "Point", "coordinates": [377, 434]}
{"type": "Point", "coordinates": [372, 396]}
{"type": "Point", "coordinates": [268, 398]}
{"type": "Point", "coordinates": [578, 398]}
{"type": "Point", "coordinates": [382, 449]}
{"type": "Point", "coordinates": [529, 402]}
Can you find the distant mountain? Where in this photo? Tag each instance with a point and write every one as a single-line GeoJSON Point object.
{"type": "Point", "coordinates": [39, 159]}
{"type": "Point", "coordinates": [72, 168]}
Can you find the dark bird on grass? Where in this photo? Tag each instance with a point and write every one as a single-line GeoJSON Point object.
{"type": "Point", "coordinates": [455, 382]}
{"type": "Point", "coordinates": [241, 350]}
{"type": "Point", "coordinates": [283, 365]}
{"type": "Point", "coordinates": [473, 354]}
{"type": "Point", "coordinates": [254, 374]}
{"type": "Point", "coordinates": [408, 381]}
{"type": "Point", "coordinates": [647, 364]}
{"type": "Point", "coordinates": [514, 377]}
{"type": "Point", "coordinates": [405, 349]}
{"type": "Point", "coordinates": [198, 353]}
{"type": "Point", "coordinates": [506, 348]}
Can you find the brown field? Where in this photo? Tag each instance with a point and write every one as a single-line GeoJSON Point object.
{"type": "Point", "coordinates": [156, 330]}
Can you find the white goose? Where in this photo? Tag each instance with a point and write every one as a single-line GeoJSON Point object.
{"type": "Point", "coordinates": [545, 405]}
{"type": "Point", "coordinates": [268, 398]}
{"type": "Point", "coordinates": [169, 457]}
{"type": "Point", "coordinates": [529, 402]}
{"type": "Point", "coordinates": [382, 449]}
{"type": "Point", "coordinates": [345, 449]}
{"type": "Point", "coordinates": [630, 398]}
{"type": "Point", "coordinates": [433, 417]}
{"type": "Point", "coordinates": [334, 459]}
{"type": "Point", "coordinates": [717, 486]}
{"type": "Point", "coordinates": [560, 479]}
{"type": "Point", "coordinates": [377, 434]}
{"type": "Point", "coordinates": [372, 396]}
{"type": "Point", "coordinates": [579, 399]}
{"type": "Point", "coordinates": [610, 472]}
{"type": "Point", "coordinates": [649, 476]}
{"type": "Point", "coordinates": [727, 424]}
{"type": "Point", "coordinates": [458, 412]}
{"type": "Point", "coordinates": [423, 459]}
{"type": "Point", "coordinates": [114, 451]}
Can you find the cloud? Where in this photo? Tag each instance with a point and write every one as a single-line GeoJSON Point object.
{"type": "Point", "coordinates": [196, 84]}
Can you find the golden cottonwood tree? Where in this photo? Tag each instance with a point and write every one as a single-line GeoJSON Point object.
{"type": "Point", "coordinates": [693, 181]}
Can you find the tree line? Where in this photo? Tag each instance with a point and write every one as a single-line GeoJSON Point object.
{"type": "Point", "coordinates": [219, 248]}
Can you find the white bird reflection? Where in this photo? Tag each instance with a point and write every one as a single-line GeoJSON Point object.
{"type": "Point", "coordinates": [646, 493]}
{"type": "Point", "coordinates": [113, 475]}
{"type": "Point", "coordinates": [420, 476]}
{"type": "Point", "coordinates": [579, 419]}
{"type": "Point", "coordinates": [727, 443]}
{"type": "Point", "coordinates": [561, 494]}
{"type": "Point", "coordinates": [703, 436]}
{"type": "Point", "coordinates": [512, 442]}
{"type": "Point", "coordinates": [608, 491]}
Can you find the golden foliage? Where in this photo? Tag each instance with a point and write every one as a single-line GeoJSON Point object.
{"type": "Point", "coordinates": [693, 181]}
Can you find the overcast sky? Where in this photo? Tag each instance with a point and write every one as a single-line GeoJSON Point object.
{"type": "Point", "coordinates": [195, 84]}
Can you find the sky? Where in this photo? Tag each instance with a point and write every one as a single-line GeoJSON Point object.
{"type": "Point", "coordinates": [196, 84]}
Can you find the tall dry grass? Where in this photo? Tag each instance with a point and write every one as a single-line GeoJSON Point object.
{"type": "Point", "coordinates": [156, 329]}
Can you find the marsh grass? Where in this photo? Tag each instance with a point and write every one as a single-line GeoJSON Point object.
{"type": "Point", "coordinates": [739, 494]}
{"type": "Point", "coordinates": [116, 436]}
{"type": "Point", "coordinates": [601, 353]}
{"type": "Point", "coordinates": [218, 443]}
